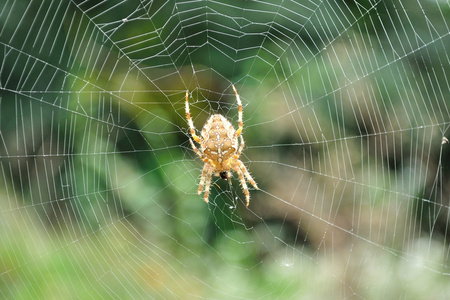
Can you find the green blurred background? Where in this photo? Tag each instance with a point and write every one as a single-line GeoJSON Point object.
{"type": "Point", "coordinates": [345, 108]}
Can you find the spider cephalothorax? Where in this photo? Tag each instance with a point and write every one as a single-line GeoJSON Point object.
{"type": "Point", "coordinates": [220, 149]}
{"type": "Point", "coordinates": [225, 175]}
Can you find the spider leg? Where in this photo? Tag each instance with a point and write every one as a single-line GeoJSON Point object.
{"type": "Point", "coordinates": [197, 151]}
{"type": "Point", "coordinates": [243, 183]}
{"type": "Point", "coordinates": [241, 146]}
{"type": "Point", "coordinates": [206, 173]}
{"type": "Point", "coordinates": [244, 170]}
{"type": "Point", "coordinates": [241, 125]}
{"type": "Point", "coordinates": [188, 117]}
{"type": "Point", "coordinates": [202, 180]}
{"type": "Point", "coordinates": [207, 183]}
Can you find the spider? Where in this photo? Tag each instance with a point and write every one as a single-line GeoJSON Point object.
{"type": "Point", "coordinates": [219, 150]}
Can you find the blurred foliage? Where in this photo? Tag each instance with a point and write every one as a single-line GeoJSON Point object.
{"type": "Point", "coordinates": [98, 194]}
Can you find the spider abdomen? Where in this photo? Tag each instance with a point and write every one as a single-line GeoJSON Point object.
{"type": "Point", "coordinates": [219, 143]}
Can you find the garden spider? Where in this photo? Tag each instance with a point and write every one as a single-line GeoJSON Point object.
{"type": "Point", "coordinates": [219, 150]}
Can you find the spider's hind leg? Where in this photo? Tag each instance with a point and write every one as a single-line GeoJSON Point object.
{"type": "Point", "coordinates": [241, 124]}
{"type": "Point", "coordinates": [189, 119]}
{"type": "Point", "coordinates": [197, 151]}
{"type": "Point", "coordinates": [241, 146]}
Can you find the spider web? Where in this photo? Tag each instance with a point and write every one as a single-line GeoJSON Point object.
{"type": "Point", "coordinates": [345, 121]}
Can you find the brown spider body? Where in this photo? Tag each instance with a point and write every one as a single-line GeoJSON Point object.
{"type": "Point", "coordinates": [220, 150]}
{"type": "Point", "coordinates": [219, 143]}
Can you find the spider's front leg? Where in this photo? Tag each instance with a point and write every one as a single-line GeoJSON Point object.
{"type": "Point", "coordinates": [243, 184]}
{"type": "Point", "coordinates": [247, 175]}
{"type": "Point", "coordinates": [205, 181]}
{"type": "Point", "coordinates": [243, 174]}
